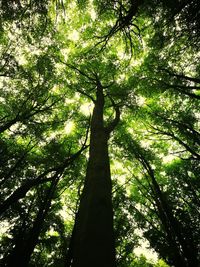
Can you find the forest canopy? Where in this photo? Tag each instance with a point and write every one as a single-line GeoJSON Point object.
{"type": "Point", "coordinates": [100, 133]}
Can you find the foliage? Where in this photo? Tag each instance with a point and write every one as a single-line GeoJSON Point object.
{"type": "Point", "coordinates": [145, 53]}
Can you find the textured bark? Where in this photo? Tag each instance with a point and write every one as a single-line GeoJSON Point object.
{"type": "Point", "coordinates": [93, 237]}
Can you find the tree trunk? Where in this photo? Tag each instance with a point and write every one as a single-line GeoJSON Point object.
{"type": "Point", "coordinates": [93, 238]}
{"type": "Point", "coordinates": [26, 244]}
{"type": "Point", "coordinates": [185, 253]}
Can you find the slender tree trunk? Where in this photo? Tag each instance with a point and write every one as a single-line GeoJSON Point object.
{"type": "Point", "coordinates": [26, 244]}
{"type": "Point", "coordinates": [24, 188]}
{"type": "Point", "coordinates": [7, 125]}
{"type": "Point", "coordinates": [21, 193]}
{"type": "Point", "coordinates": [93, 237]}
{"type": "Point", "coordinates": [185, 253]}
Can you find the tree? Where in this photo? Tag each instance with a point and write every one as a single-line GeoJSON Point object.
{"type": "Point", "coordinates": [182, 251]}
{"type": "Point", "coordinates": [125, 73]}
{"type": "Point", "coordinates": [94, 220]}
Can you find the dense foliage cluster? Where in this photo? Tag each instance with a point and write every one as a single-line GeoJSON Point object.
{"type": "Point", "coordinates": [143, 55]}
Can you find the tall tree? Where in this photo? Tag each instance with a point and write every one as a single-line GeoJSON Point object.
{"type": "Point", "coordinates": [128, 73]}
{"type": "Point", "coordinates": [94, 219]}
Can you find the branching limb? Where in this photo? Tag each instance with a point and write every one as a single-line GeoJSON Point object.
{"type": "Point", "coordinates": [116, 120]}
{"type": "Point", "coordinates": [192, 79]}
{"type": "Point", "coordinates": [78, 70]}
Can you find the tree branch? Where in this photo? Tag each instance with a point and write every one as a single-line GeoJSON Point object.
{"type": "Point", "coordinates": [111, 126]}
